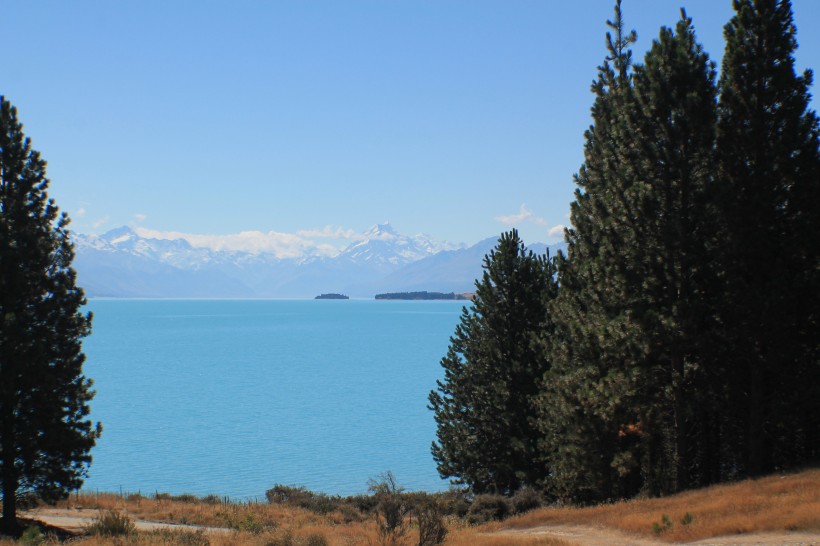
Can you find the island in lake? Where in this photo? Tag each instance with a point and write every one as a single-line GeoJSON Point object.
{"type": "Point", "coordinates": [331, 297]}
{"type": "Point", "coordinates": [424, 296]}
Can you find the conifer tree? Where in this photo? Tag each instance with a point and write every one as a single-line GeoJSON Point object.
{"type": "Point", "coordinates": [633, 298]}
{"type": "Point", "coordinates": [667, 273]}
{"type": "Point", "coordinates": [45, 433]}
{"type": "Point", "coordinates": [770, 177]}
{"type": "Point", "coordinates": [484, 405]}
{"type": "Point", "coordinates": [585, 395]}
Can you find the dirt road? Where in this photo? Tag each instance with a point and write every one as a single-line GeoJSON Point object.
{"type": "Point", "coordinates": [76, 520]}
{"type": "Point", "coordinates": [592, 536]}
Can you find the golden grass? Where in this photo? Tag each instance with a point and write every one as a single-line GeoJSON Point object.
{"type": "Point", "coordinates": [788, 502]}
{"type": "Point", "coordinates": [772, 504]}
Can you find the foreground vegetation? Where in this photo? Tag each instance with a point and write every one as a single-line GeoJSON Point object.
{"type": "Point", "coordinates": [296, 517]}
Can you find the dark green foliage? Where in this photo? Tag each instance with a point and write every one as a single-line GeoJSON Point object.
{"type": "Point", "coordinates": [45, 433]}
{"type": "Point", "coordinates": [628, 404]}
{"type": "Point", "coordinates": [770, 182]}
{"type": "Point", "coordinates": [685, 348]}
{"type": "Point", "coordinates": [487, 436]}
{"type": "Point", "coordinates": [587, 394]}
{"type": "Point", "coordinates": [488, 508]}
{"type": "Point", "coordinates": [32, 536]}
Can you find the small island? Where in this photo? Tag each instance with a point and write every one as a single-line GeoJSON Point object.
{"type": "Point", "coordinates": [422, 296]}
{"type": "Point", "coordinates": [331, 297]}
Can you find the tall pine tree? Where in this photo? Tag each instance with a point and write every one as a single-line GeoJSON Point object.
{"type": "Point", "coordinates": [484, 405]}
{"type": "Point", "coordinates": [45, 433]}
{"type": "Point", "coordinates": [668, 275]}
{"type": "Point", "coordinates": [586, 395]}
{"type": "Point", "coordinates": [622, 407]}
{"type": "Point", "coordinates": [770, 176]}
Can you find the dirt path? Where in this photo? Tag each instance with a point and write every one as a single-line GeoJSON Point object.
{"type": "Point", "coordinates": [77, 520]}
{"type": "Point", "coordinates": [593, 536]}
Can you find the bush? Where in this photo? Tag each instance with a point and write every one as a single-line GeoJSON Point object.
{"type": "Point", "coordinates": [391, 509]}
{"type": "Point", "coordinates": [488, 508]}
{"type": "Point", "coordinates": [111, 524]}
{"type": "Point", "coordinates": [526, 499]}
{"type": "Point", "coordinates": [432, 530]}
{"type": "Point", "coordinates": [300, 497]}
{"type": "Point", "coordinates": [32, 536]}
{"type": "Point", "coordinates": [246, 521]}
{"type": "Point", "coordinates": [455, 502]}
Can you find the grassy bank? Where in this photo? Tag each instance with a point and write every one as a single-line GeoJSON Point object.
{"type": "Point", "coordinates": [779, 503]}
{"type": "Point", "coordinates": [789, 502]}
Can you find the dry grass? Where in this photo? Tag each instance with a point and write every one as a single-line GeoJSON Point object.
{"type": "Point", "coordinates": [776, 503]}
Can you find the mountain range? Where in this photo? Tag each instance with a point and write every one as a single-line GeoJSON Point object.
{"type": "Point", "coordinates": [123, 264]}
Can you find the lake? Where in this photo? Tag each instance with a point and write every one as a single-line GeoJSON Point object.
{"type": "Point", "coordinates": [233, 397]}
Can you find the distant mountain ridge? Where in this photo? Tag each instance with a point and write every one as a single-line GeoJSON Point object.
{"type": "Point", "coordinates": [121, 264]}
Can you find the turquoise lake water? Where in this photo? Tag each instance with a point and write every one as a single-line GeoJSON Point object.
{"type": "Point", "coordinates": [233, 397]}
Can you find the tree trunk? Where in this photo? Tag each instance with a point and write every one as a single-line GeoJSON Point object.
{"type": "Point", "coordinates": [8, 525]}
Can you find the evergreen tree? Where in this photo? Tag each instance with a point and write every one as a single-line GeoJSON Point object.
{"type": "Point", "coordinates": [585, 395]}
{"type": "Point", "coordinates": [770, 176]}
{"type": "Point", "coordinates": [45, 435]}
{"type": "Point", "coordinates": [669, 281]}
{"type": "Point", "coordinates": [621, 409]}
{"type": "Point", "coordinates": [484, 406]}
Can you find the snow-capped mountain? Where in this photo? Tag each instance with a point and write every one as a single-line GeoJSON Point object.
{"type": "Point", "coordinates": [385, 249]}
{"type": "Point", "coordinates": [122, 263]}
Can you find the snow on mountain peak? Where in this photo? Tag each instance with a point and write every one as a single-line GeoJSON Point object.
{"type": "Point", "coordinates": [381, 231]}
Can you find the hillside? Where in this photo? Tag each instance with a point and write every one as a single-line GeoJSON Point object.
{"type": "Point", "coordinates": [778, 509]}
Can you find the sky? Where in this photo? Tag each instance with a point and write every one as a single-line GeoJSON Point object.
{"type": "Point", "coordinates": [316, 119]}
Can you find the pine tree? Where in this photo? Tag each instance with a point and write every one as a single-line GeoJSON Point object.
{"type": "Point", "coordinates": [45, 433]}
{"type": "Point", "coordinates": [668, 272]}
{"type": "Point", "coordinates": [770, 176]}
{"type": "Point", "coordinates": [484, 406]}
{"type": "Point", "coordinates": [585, 396]}
{"type": "Point", "coordinates": [621, 410]}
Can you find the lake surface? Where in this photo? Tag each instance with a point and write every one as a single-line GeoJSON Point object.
{"type": "Point", "coordinates": [233, 397]}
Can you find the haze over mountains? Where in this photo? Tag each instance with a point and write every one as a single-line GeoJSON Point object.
{"type": "Point", "coordinates": [123, 264]}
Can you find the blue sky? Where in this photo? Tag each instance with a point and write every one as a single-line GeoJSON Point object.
{"type": "Point", "coordinates": [318, 119]}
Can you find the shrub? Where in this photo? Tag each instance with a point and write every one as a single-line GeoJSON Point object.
{"type": "Point", "coordinates": [526, 499]}
{"type": "Point", "coordinates": [32, 536]}
{"type": "Point", "coordinates": [111, 524]}
{"type": "Point", "coordinates": [303, 498]}
{"type": "Point", "coordinates": [246, 522]}
{"type": "Point", "coordinates": [488, 508]}
{"type": "Point", "coordinates": [455, 502]}
{"type": "Point", "coordinates": [432, 530]}
{"type": "Point", "coordinates": [365, 504]}
{"type": "Point", "coordinates": [391, 509]}
{"type": "Point", "coordinates": [664, 525]}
